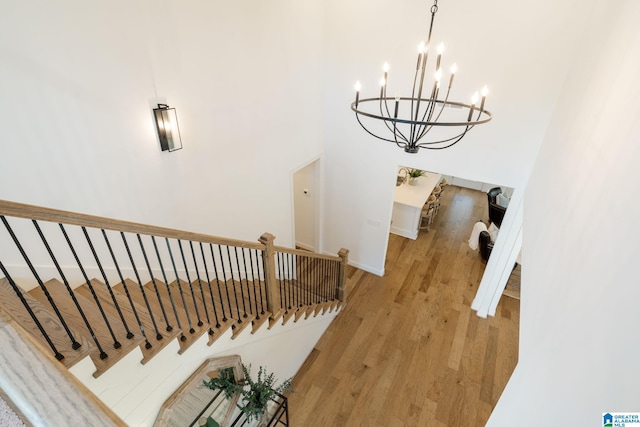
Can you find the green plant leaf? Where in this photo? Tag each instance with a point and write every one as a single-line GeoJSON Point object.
{"type": "Point", "coordinates": [256, 394]}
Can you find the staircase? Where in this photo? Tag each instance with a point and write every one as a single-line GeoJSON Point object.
{"type": "Point", "coordinates": [89, 286]}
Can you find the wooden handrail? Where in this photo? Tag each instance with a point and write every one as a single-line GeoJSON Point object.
{"type": "Point", "coordinates": [21, 210]}
{"type": "Point", "coordinates": [306, 253]}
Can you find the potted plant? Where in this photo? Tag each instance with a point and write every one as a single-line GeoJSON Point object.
{"type": "Point", "coordinates": [413, 174]}
{"type": "Point", "coordinates": [225, 382]}
{"type": "Point", "coordinates": [257, 394]}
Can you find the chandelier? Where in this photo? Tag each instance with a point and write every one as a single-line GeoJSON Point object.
{"type": "Point", "coordinates": [428, 119]}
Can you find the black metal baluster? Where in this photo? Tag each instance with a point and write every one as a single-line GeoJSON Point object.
{"type": "Point", "coordinates": [204, 302]}
{"type": "Point", "coordinates": [324, 279]}
{"type": "Point", "coordinates": [330, 281]}
{"type": "Point", "coordinates": [226, 286]}
{"type": "Point", "coordinates": [321, 279]}
{"type": "Point", "coordinates": [283, 292]}
{"type": "Point", "coordinates": [74, 344]}
{"type": "Point", "coordinates": [292, 285]}
{"type": "Point", "coordinates": [144, 294]}
{"type": "Point", "coordinates": [285, 278]}
{"type": "Point", "coordinates": [106, 283]}
{"type": "Point", "coordinates": [253, 280]}
{"type": "Point", "coordinates": [288, 271]}
{"type": "Point", "coordinates": [15, 288]}
{"type": "Point", "coordinates": [296, 279]}
{"type": "Point", "coordinates": [169, 328]}
{"type": "Point", "coordinates": [166, 283]}
{"type": "Point", "coordinates": [116, 343]}
{"type": "Point", "coordinates": [313, 284]}
{"type": "Point", "coordinates": [334, 275]}
{"type": "Point", "coordinates": [320, 283]}
{"type": "Point", "coordinates": [329, 277]}
{"type": "Point", "coordinates": [336, 282]}
{"type": "Point", "coordinates": [147, 344]}
{"type": "Point", "coordinates": [233, 283]}
{"type": "Point", "coordinates": [246, 276]}
{"type": "Point", "coordinates": [336, 279]}
{"type": "Point", "coordinates": [184, 303]}
{"type": "Point", "coordinates": [296, 274]}
{"type": "Point", "coordinates": [302, 278]}
{"type": "Point", "coordinates": [292, 279]}
{"type": "Point", "coordinates": [308, 280]}
{"type": "Point", "coordinates": [193, 295]}
{"type": "Point", "coordinates": [333, 281]}
{"type": "Point", "coordinates": [206, 272]}
{"type": "Point", "coordinates": [260, 281]}
{"type": "Point", "coordinates": [318, 271]}
{"type": "Point", "coordinates": [215, 271]}
{"type": "Point", "coordinates": [244, 308]}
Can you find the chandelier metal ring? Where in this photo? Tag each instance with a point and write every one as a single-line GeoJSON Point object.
{"type": "Point", "coordinates": [484, 113]}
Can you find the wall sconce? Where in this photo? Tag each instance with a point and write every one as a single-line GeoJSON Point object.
{"type": "Point", "coordinates": [168, 130]}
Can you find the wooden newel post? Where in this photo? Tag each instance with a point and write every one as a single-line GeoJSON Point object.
{"type": "Point", "coordinates": [342, 285]}
{"type": "Point", "coordinates": [270, 282]}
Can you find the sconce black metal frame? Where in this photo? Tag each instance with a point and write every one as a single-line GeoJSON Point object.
{"type": "Point", "coordinates": [167, 127]}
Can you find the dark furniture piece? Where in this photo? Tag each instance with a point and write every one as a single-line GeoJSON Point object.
{"type": "Point", "coordinates": [485, 244]}
{"type": "Point", "coordinates": [496, 212]}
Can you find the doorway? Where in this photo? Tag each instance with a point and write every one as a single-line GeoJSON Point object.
{"type": "Point", "coordinates": [306, 206]}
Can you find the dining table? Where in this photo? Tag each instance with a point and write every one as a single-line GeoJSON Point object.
{"type": "Point", "coordinates": [408, 201]}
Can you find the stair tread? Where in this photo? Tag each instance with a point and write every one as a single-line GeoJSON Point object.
{"type": "Point", "coordinates": [70, 312]}
{"type": "Point", "coordinates": [257, 323]}
{"type": "Point", "coordinates": [12, 305]}
{"type": "Point", "coordinates": [125, 305]}
{"type": "Point", "coordinates": [183, 297]}
{"type": "Point", "coordinates": [288, 315]}
{"type": "Point", "coordinates": [219, 331]}
{"type": "Point", "coordinates": [156, 316]}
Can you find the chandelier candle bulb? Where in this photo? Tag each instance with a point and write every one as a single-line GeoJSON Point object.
{"type": "Point", "coordinates": [474, 100]}
{"type": "Point", "coordinates": [395, 113]}
{"type": "Point", "coordinates": [485, 91]}
{"type": "Point", "coordinates": [357, 87]}
{"type": "Point", "coordinates": [425, 55]}
{"type": "Point", "coordinates": [440, 50]}
{"type": "Point", "coordinates": [454, 68]}
{"type": "Point", "coordinates": [420, 52]}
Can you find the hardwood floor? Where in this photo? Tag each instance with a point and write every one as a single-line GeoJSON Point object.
{"type": "Point", "coordinates": [407, 350]}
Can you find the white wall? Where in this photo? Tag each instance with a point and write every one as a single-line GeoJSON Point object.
{"type": "Point", "coordinates": [579, 314]}
{"type": "Point", "coordinates": [522, 50]}
{"type": "Point", "coordinates": [78, 81]}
